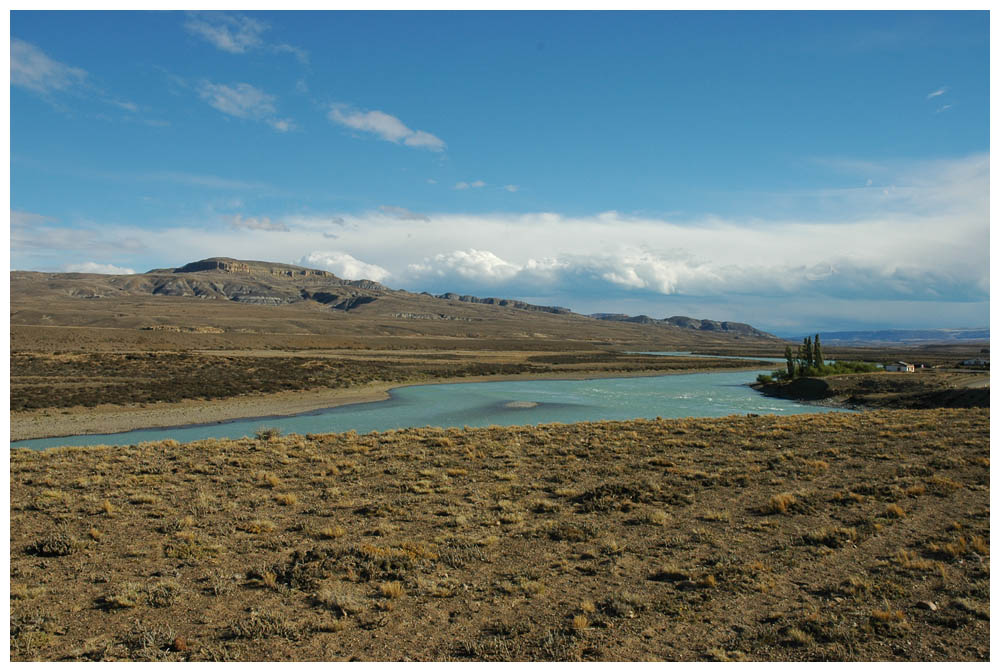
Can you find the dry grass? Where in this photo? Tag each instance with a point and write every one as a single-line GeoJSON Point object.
{"type": "Point", "coordinates": [780, 503]}
{"type": "Point", "coordinates": [686, 539]}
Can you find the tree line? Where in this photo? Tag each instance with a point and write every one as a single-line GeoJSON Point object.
{"type": "Point", "coordinates": [808, 361]}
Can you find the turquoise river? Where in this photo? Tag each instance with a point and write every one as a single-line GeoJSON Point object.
{"type": "Point", "coordinates": [522, 402]}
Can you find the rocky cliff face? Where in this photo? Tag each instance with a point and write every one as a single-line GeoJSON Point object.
{"type": "Point", "coordinates": [507, 303]}
{"type": "Point", "coordinates": [227, 265]}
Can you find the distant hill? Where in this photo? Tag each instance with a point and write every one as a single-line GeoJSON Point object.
{"type": "Point", "coordinates": [682, 322]}
{"type": "Point", "coordinates": [221, 295]}
{"type": "Point", "coordinates": [904, 336]}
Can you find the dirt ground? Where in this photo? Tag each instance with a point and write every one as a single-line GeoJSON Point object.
{"type": "Point", "coordinates": [818, 537]}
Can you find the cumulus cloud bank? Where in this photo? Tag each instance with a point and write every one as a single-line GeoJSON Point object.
{"type": "Point", "coordinates": [344, 265]}
{"type": "Point", "coordinates": [923, 242]}
{"type": "Point", "coordinates": [94, 267]}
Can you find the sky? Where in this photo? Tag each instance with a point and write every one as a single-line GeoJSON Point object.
{"type": "Point", "coordinates": [799, 171]}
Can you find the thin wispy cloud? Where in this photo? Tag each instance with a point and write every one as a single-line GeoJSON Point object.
{"type": "Point", "coordinates": [244, 101]}
{"type": "Point", "coordinates": [301, 54]}
{"type": "Point", "coordinates": [943, 108]}
{"type": "Point", "coordinates": [239, 100]}
{"type": "Point", "coordinates": [511, 187]}
{"type": "Point", "coordinates": [32, 69]}
{"type": "Point", "coordinates": [281, 125]}
{"type": "Point", "coordinates": [19, 219]}
{"type": "Point", "coordinates": [254, 223]}
{"type": "Point", "coordinates": [237, 34]}
{"type": "Point", "coordinates": [940, 92]}
{"type": "Point", "coordinates": [124, 104]}
{"type": "Point", "coordinates": [478, 184]}
{"type": "Point", "coordinates": [233, 33]}
{"type": "Point", "coordinates": [402, 213]}
{"type": "Point", "coordinates": [196, 180]}
{"type": "Point", "coordinates": [385, 126]}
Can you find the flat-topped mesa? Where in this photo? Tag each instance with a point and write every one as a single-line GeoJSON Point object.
{"type": "Point", "coordinates": [227, 265]}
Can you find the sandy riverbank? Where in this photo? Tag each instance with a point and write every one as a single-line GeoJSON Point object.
{"type": "Point", "coordinates": [107, 419]}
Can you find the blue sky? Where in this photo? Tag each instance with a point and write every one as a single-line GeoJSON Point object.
{"type": "Point", "coordinates": [798, 171]}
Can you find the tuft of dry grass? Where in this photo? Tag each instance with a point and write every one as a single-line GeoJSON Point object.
{"type": "Point", "coordinates": [287, 499]}
{"type": "Point", "coordinates": [391, 590]}
{"type": "Point", "coordinates": [780, 503]}
{"type": "Point", "coordinates": [888, 615]}
{"type": "Point", "coordinates": [339, 602]}
{"type": "Point", "coordinates": [259, 526]}
{"type": "Point", "coordinates": [657, 517]}
{"type": "Point", "coordinates": [895, 511]}
{"type": "Point", "coordinates": [330, 532]}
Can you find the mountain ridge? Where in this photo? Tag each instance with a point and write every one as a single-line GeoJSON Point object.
{"type": "Point", "coordinates": [274, 284]}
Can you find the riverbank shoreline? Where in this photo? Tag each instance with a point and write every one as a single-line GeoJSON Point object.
{"type": "Point", "coordinates": [112, 419]}
{"type": "Point", "coordinates": [884, 390]}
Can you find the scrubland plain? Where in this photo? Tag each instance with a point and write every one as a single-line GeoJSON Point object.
{"type": "Point", "coordinates": [826, 537]}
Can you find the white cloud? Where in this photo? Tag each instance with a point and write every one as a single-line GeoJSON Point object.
{"type": "Point", "coordinates": [254, 223]}
{"type": "Point", "coordinates": [244, 101]}
{"type": "Point", "coordinates": [403, 213]}
{"type": "Point", "coordinates": [233, 33]}
{"type": "Point", "coordinates": [22, 219]}
{"type": "Point", "coordinates": [301, 54]}
{"type": "Point", "coordinates": [940, 92]}
{"type": "Point", "coordinates": [424, 139]}
{"type": "Point", "coordinates": [32, 69]}
{"type": "Point", "coordinates": [94, 267]}
{"type": "Point", "coordinates": [344, 265]}
{"type": "Point", "coordinates": [381, 124]}
{"type": "Point", "coordinates": [511, 187]}
{"type": "Point", "coordinates": [385, 126]}
{"type": "Point", "coordinates": [239, 100]}
{"type": "Point", "coordinates": [282, 125]}
{"type": "Point", "coordinates": [195, 180]}
{"type": "Point", "coordinates": [923, 244]}
{"type": "Point", "coordinates": [124, 104]}
{"type": "Point", "coordinates": [472, 264]}
{"type": "Point", "coordinates": [478, 184]}
{"type": "Point", "coordinates": [237, 34]}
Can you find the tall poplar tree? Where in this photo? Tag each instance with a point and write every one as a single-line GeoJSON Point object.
{"type": "Point", "coordinates": [789, 361]}
{"type": "Point", "coordinates": [817, 354]}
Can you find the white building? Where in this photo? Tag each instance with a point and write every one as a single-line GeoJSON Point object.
{"type": "Point", "coordinates": [900, 366]}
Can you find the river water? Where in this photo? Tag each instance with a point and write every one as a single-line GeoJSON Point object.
{"type": "Point", "coordinates": [522, 402]}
